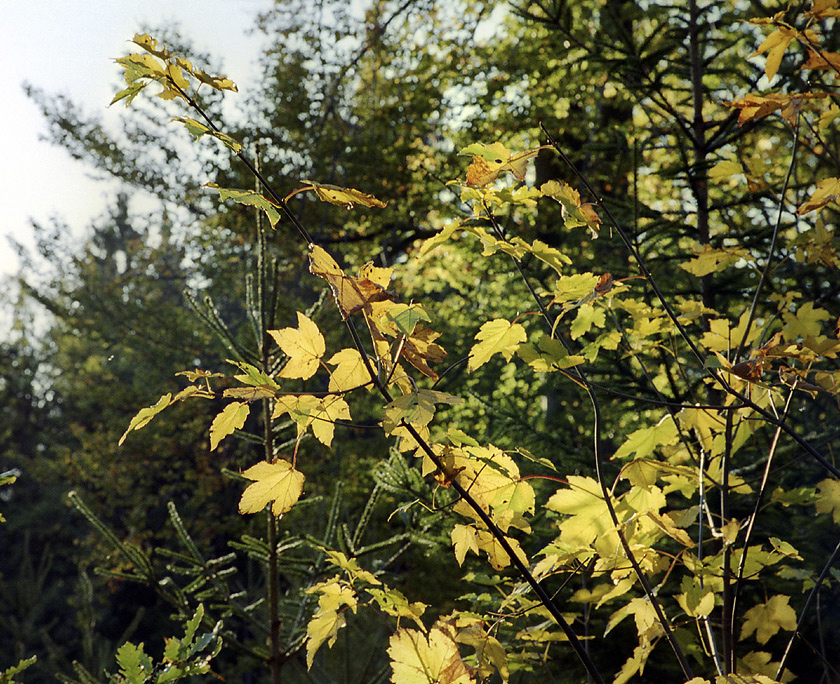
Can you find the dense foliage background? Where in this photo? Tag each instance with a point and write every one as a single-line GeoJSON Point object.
{"type": "Point", "coordinates": [636, 94]}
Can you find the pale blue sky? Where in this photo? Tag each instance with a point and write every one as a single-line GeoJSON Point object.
{"type": "Point", "coordinates": [68, 47]}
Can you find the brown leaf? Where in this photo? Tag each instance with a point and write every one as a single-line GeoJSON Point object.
{"type": "Point", "coordinates": [351, 294]}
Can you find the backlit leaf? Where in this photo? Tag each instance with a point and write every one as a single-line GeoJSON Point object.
{"type": "Point", "coordinates": [710, 260]}
{"type": "Point", "coordinates": [490, 161]}
{"type": "Point", "coordinates": [464, 538]}
{"type": "Point", "coordinates": [304, 346]}
{"type": "Point", "coordinates": [343, 197]}
{"type": "Point", "coordinates": [575, 214]}
{"type": "Point", "coordinates": [828, 190]}
{"type": "Point", "coordinates": [276, 482]}
{"type": "Point", "coordinates": [351, 294]}
{"type": "Point", "coordinates": [350, 371]}
{"type": "Point", "coordinates": [548, 355]}
{"type": "Point", "coordinates": [583, 502]}
{"type": "Point", "coordinates": [318, 413]}
{"type": "Point", "coordinates": [775, 45]}
{"type": "Point", "coordinates": [415, 408]}
{"type": "Point", "coordinates": [198, 129]}
{"type": "Point", "coordinates": [394, 603]}
{"type": "Point", "coordinates": [642, 442]}
{"type": "Point", "coordinates": [231, 418]}
{"type": "Point", "coordinates": [322, 627]}
{"type": "Point", "coordinates": [251, 198]}
{"type": "Point", "coordinates": [766, 619]}
{"type": "Point", "coordinates": [145, 415]}
{"type": "Point", "coordinates": [418, 659]}
{"type": "Point", "coordinates": [829, 498]}
{"type": "Point", "coordinates": [496, 337]}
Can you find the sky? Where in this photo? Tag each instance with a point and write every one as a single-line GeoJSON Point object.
{"type": "Point", "coordinates": [68, 47]}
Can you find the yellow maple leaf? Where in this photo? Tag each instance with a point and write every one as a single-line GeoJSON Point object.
{"type": "Point", "coordinates": [318, 413]}
{"type": "Point", "coordinates": [495, 337]}
{"type": "Point", "coordinates": [709, 260]}
{"type": "Point", "coordinates": [343, 197]}
{"type": "Point", "coordinates": [766, 619]}
{"type": "Point", "coordinates": [351, 294]}
{"type": "Point", "coordinates": [589, 517]}
{"type": "Point", "coordinates": [278, 482]}
{"type": "Point", "coordinates": [575, 213]}
{"type": "Point", "coordinates": [231, 418]}
{"type": "Point", "coordinates": [415, 408]}
{"type": "Point", "coordinates": [304, 346]}
{"type": "Point", "coordinates": [417, 659]}
{"type": "Point", "coordinates": [496, 554]}
{"type": "Point", "coordinates": [145, 415]}
{"type": "Point", "coordinates": [322, 627]}
{"type": "Point", "coordinates": [350, 370]}
{"type": "Point", "coordinates": [464, 538]}
{"type": "Point", "coordinates": [775, 45]}
{"type": "Point", "coordinates": [828, 191]}
{"type": "Point", "coordinates": [490, 161]}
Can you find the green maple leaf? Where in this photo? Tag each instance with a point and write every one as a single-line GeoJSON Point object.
{"type": "Point", "coordinates": [251, 198]}
{"type": "Point", "coordinates": [642, 442]}
{"type": "Point", "coordinates": [829, 498]}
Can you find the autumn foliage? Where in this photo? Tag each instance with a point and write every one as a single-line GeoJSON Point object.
{"type": "Point", "coordinates": [671, 548]}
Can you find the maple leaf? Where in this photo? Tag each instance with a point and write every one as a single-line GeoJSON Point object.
{"type": "Point", "coordinates": [822, 59]}
{"type": "Point", "coordinates": [757, 106]}
{"type": "Point", "coordinates": [350, 370]}
{"type": "Point", "coordinates": [642, 442]}
{"type": "Point", "coordinates": [495, 337]}
{"type": "Point", "coordinates": [575, 214]}
{"type": "Point", "coordinates": [278, 482]}
{"type": "Point", "coordinates": [823, 9]}
{"type": "Point", "coordinates": [766, 619]}
{"type": "Point", "coordinates": [394, 603]}
{"type": "Point", "coordinates": [231, 418]}
{"type": "Point", "coordinates": [490, 161]}
{"type": "Point", "coordinates": [696, 601]}
{"type": "Point", "coordinates": [496, 554]}
{"type": "Point", "coordinates": [589, 517]}
{"type": "Point", "coordinates": [343, 197]}
{"type": "Point", "coordinates": [415, 408]}
{"type": "Point", "coordinates": [247, 197]}
{"type": "Point", "coordinates": [417, 659]}
{"type": "Point", "coordinates": [420, 348]}
{"type": "Point", "coordinates": [351, 294]}
{"type": "Point", "coordinates": [775, 45]}
{"type": "Point", "coordinates": [318, 413]}
{"type": "Point", "coordinates": [724, 170]}
{"type": "Point", "coordinates": [145, 415]}
{"type": "Point", "coordinates": [587, 316]}
{"type": "Point", "coordinates": [150, 45]}
{"type": "Point", "coordinates": [828, 191]}
{"type": "Point", "coordinates": [324, 625]}
{"type": "Point", "coordinates": [548, 355]}
{"type": "Point", "coordinates": [304, 346]}
{"type": "Point", "coordinates": [710, 260]}
{"type": "Point", "coordinates": [488, 650]}
{"type": "Point", "coordinates": [464, 538]}
{"type": "Point", "coordinates": [829, 498]}
{"type": "Point", "coordinates": [805, 323]}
